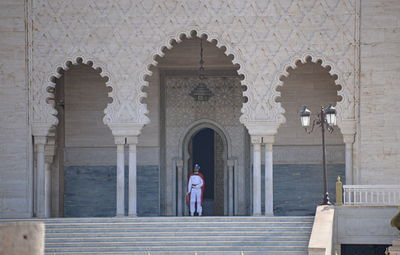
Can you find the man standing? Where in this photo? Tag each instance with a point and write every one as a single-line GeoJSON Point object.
{"type": "Point", "coordinates": [195, 191]}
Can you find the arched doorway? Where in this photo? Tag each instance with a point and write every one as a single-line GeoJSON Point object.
{"type": "Point", "coordinates": [208, 149]}
{"type": "Point", "coordinates": [174, 112]}
{"type": "Point", "coordinates": [298, 181]}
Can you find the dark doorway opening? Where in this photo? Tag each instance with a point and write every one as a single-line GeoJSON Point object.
{"type": "Point", "coordinates": [203, 154]}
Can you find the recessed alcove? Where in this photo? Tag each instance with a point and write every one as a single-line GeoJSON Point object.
{"type": "Point", "coordinates": [298, 171]}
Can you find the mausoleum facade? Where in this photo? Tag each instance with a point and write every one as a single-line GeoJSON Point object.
{"type": "Point", "coordinates": [99, 119]}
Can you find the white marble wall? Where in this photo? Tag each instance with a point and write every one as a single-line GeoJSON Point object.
{"type": "Point", "coordinates": [15, 140]}
{"type": "Point", "coordinates": [379, 135]}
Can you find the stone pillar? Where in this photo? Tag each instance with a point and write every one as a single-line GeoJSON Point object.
{"type": "Point", "coordinates": [132, 208]}
{"type": "Point", "coordinates": [49, 153]}
{"type": "Point", "coordinates": [47, 190]}
{"type": "Point", "coordinates": [269, 191]}
{"type": "Point", "coordinates": [179, 174]}
{"type": "Point", "coordinates": [231, 164]}
{"type": "Point", "coordinates": [349, 140]}
{"type": "Point", "coordinates": [256, 141]}
{"type": "Point", "coordinates": [120, 142]}
{"type": "Point", "coordinates": [348, 130]}
{"type": "Point", "coordinates": [40, 142]}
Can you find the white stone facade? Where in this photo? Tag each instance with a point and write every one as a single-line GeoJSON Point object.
{"type": "Point", "coordinates": [358, 40]}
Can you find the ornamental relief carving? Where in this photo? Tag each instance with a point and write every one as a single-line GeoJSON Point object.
{"type": "Point", "coordinates": [182, 111]}
{"type": "Point", "coordinates": [123, 37]}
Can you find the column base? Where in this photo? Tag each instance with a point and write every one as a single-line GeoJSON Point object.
{"type": "Point", "coordinates": [120, 215]}
{"type": "Point", "coordinates": [256, 214]}
{"type": "Point", "coordinates": [132, 215]}
{"type": "Point", "coordinates": [270, 214]}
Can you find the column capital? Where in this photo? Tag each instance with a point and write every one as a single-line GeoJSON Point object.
{"type": "Point", "coordinates": [230, 162]}
{"type": "Point", "coordinates": [132, 140]}
{"type": "Point", "coordinates": [268, 139]}
{"type": "Point", "coordinates": [262, 128]}
{"type": "Point", "coordinates": [255, 139]}
{"type": "Point", "coordinates": [125, 129]}
{"type": "Point", "coordinates": [347, 127]}
{"type": "Point", "coordinates": [40, 139]}
{"type": "Point", "coordinates": [119, 140]}
{"type": "Point", "coordinates": [41, 129]}
{"type": "Point", "coordinates": [348, 138]}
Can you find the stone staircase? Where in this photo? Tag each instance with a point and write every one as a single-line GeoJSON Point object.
{"type": "Point", "coordinates": [178, 235]}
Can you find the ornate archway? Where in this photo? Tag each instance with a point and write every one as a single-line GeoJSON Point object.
{"type": "Point", "coordinates": [214, 38]}
{"type": "Point", "coordinates": [44, 132]}
{"type": "Point", "coordinates": [345, 107]}
{"type": "Point", "coordinates": [44, 112]}
{"type": "Point", "coordinates": [227, 187]}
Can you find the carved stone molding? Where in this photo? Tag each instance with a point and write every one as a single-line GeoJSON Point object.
{"type": "Point", "coordinates": [44, 112]}
{"type": "Point", "coordinates": [124, 37]}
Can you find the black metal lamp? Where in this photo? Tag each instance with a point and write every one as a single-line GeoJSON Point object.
{"type": "Point", "coordinates": [201, 92]}
{"type": "Point", "coordinates": [305, 117]}
{"type": "Point", "coordinates": [330, 113]}
{"type": "Point", "coordinates": [326, 120]}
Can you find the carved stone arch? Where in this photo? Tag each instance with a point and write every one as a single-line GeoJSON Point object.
{"type": "Point", "coordinates": [168, 44]}
{"type": "Point", "coordinates": [184, 142]}
{"type": "Point", "coordinates": [49, 116]}
{"type": "Point", "coordinates": [345, 104]}
{"type": "Point", "coordinates": [197, 126]}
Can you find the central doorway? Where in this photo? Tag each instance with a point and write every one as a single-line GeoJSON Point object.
{"type": "Point", "coordinates": [206, 148]}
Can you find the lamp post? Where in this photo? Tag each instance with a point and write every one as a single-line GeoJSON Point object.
{"type": "Point", "coordinates": [326, 120]}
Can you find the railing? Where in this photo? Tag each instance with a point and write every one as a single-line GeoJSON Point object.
{"type": "Point", "coordinates": [374, 195]}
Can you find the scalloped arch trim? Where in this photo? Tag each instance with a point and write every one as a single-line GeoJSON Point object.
{"type": "Point", "coordinates": [293, 64]}
{"type": "Point", "coordinates": [65, 66]}
{"type": "Point", "coordinates": [191, 33]}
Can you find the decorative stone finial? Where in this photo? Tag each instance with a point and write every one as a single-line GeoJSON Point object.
{"type": "Point", "coordinates": [395, 222]}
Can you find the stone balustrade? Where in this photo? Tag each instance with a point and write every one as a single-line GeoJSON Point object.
{"type": "Point", "coordinates": [371, 195]}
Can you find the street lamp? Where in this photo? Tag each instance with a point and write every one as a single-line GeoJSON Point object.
{"type": "Point", "coordinates": [326, 119]}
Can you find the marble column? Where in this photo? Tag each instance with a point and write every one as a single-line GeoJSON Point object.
{"type": "Point", "coordinates": [179, 176]}
{"type": "Point", "coordinates": [132, 181]}
{"type": "Point", "coordinates": [49, 154]}
{"type": "Point", "coordinates": [231, 164]}
{"type": "Point", "coordinates": [256, 141]}
{"type": "Point", "coordinates": [120, 142]}
{"type": "Point", "coordinates": [40, 142]}
{"type": "Point", "coordinates": [48, 190]}
{"type": "Point", "coordinates": [349, 141]}
{"type": "Point", "coordinates": [269, 191]}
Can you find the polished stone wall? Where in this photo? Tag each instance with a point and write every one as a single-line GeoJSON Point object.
{"type": "Point", "coordinates": [16, 174]}
{"type": "Point", "coordinates": [298, 188]}
{"type": "Point", "coordinates": [90, 191]}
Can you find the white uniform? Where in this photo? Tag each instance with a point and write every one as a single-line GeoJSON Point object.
{"type": "Point", "coordinates": [194, 187]}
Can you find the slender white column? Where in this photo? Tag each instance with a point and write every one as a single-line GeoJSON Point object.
{"type": "Point", "coordinates": [349, 140]}
{"type": "Point", "coordinates": [179, 176]}
{"type": "Point", "coordinates": [48, 190]}
{"type": "Point", "coordinates": [40, 142]}
{"type": "Point", "coordinates": [269, 191]}
{"type": "Point", "coordinates": [132, 209]}
{"type": "Point", "coordinates": [256, 141]}
{"type": "Point", "coordinates": [230, 163]}
{"type": "Point", "coordinates": [120, 141]}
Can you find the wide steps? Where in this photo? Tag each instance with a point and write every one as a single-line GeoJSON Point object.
{"type": "Point", "coordinates": [178, 235]}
